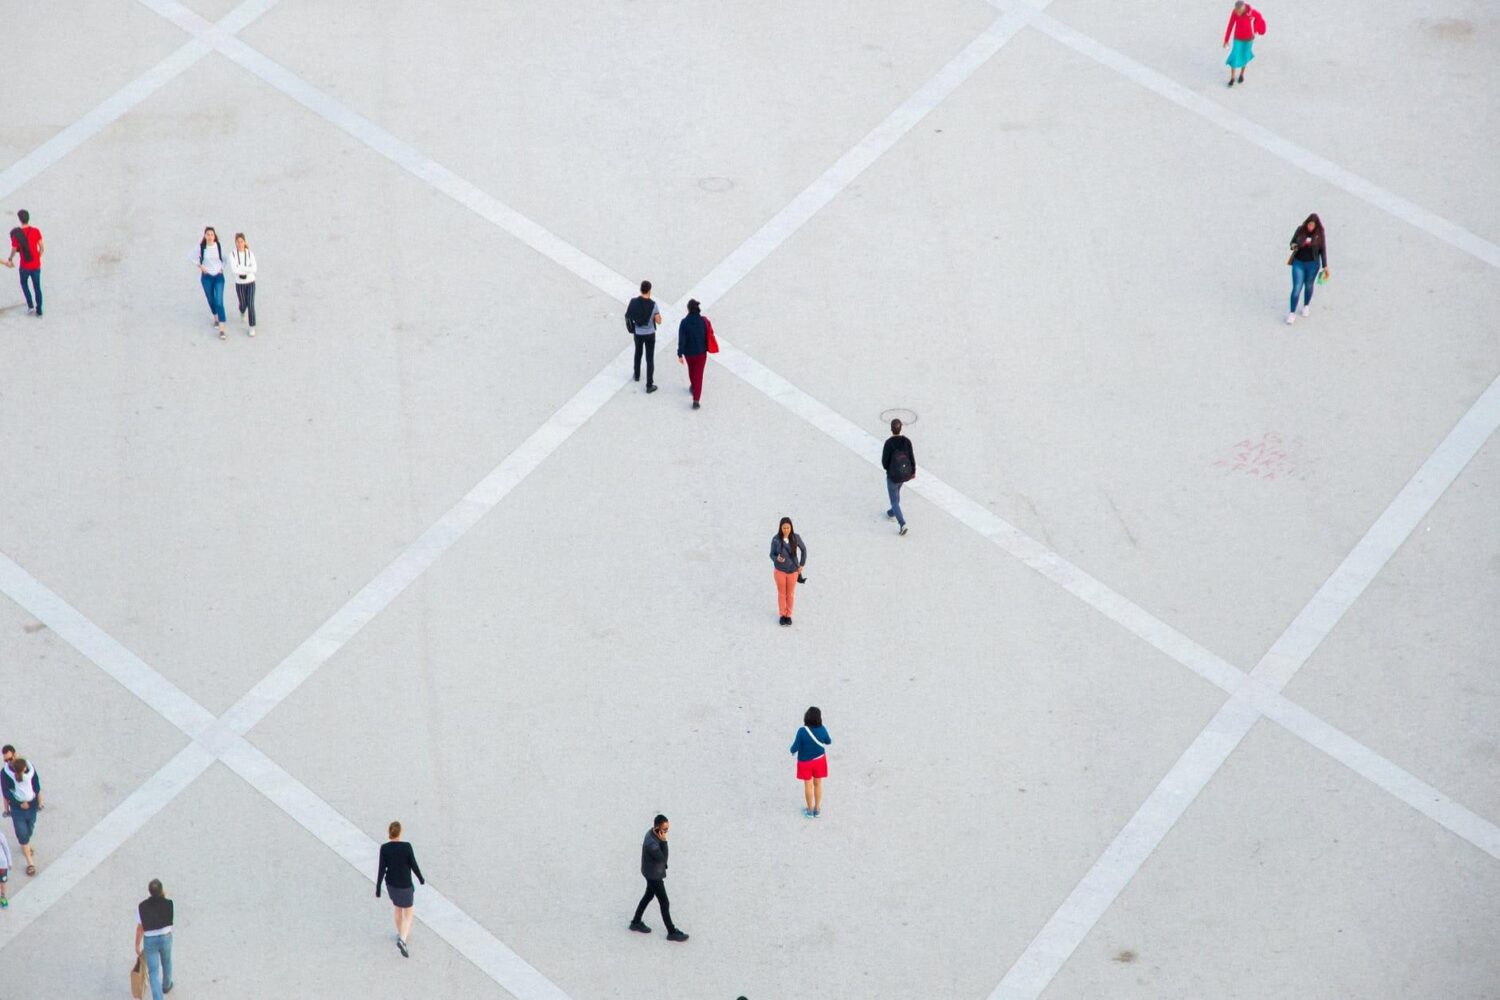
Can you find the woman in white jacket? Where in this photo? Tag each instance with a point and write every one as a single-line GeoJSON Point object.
{"type": "Point", "coordinates": [244, 278]}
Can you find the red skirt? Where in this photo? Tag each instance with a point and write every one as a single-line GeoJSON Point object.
{"type": "Point", "coordinates": [810, 769]}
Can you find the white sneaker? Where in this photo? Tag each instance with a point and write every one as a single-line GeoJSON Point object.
{"type": "Point", "coordinates": [1291, 318]}
{"type": "Point", "coordinates": [1304, 308]}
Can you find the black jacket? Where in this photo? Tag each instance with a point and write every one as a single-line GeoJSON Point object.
{"type": "Point", "coordinates": [653, 856]}
{"type": "Point", "coordinates": [894, 444]}
{"type": "Point", "coordinates": [793, 554]}
{"type": "Point", "coordinates": [692, 336]}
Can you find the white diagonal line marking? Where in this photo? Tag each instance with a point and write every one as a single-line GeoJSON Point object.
{"type": "Point", "coordinates": [127, 97]}
{"type": "Point", "coordinates": [1045, 956]}
{"type": "Point", "coordinates": [1304, 159]}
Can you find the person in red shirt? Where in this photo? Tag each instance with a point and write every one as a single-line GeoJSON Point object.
{"type": "Point", "coordinates": [26, 243]}
{"type": "Point", "coordinates": [1244, 23]}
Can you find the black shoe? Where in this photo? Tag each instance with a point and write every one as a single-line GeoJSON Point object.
{"type": "Point", "coordinates": [696, 404]}
{"type": "Point", "coordinates": [783, 620]}
{"type": "Point", "coordinates": [650, 387]}
{"type": "Point", "coordinates": [1231, 81]}
{"type": "Point", "coordinates": [902, 531]}
{"type": "Point", "coordinates": [1241, 79]}
{"type": "Point", "coordinates": [402, 945]}
{"type": "Point", "coordinates": [788, 619]}
{"type": "Point", "coordinates": [168, 988]}
{"type": "Point", "coordinates": [676, 935]}
{"type": "Point", "coordinates": [639, 927]}
{"type": "Point", "coordinates": [636, 377]}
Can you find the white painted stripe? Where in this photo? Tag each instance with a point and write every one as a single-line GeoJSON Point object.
{"type": "Point", "coordinates": [836, 178]}
{"type": "Point", "coordinates": [1345, 180]}
{"type": "Point", "coordinates": [440, 914]}
{"type": "Point", "coordinates": [127, 97]}
{"type": "Point", "coordinates": [1385, 536]}
{"type": "Point", "coordinates": [1049, 951]}
{"type": "Point", "coordinates": [981, 519]}
{"type": "Point", "coordinates": [36, 896]}
{"type": "Point", "coordinates": [377, 595]}
{"type": "Point", "coordinates": [102, 649]}
{"type": "Point", "coordinates": [100, 118]}
{"type": "Point", "coordinates": [1045, 956]}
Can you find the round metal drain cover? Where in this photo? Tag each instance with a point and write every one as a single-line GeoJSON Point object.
{"type": "Point", "coordinates": [907, 417]}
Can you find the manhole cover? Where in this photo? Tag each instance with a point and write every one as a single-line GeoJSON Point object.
{"type": "Point", "coordinates": [907, 417]}
{"type": "Point", "coordinates": [715, 185]}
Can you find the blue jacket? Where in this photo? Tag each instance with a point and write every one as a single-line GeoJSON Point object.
{"type": "Point", "coordinates": [692, 336]}
{"type": "Point", "coordinates": [793, 554]}
{"type": "Point", "coordinates": [808, 749]}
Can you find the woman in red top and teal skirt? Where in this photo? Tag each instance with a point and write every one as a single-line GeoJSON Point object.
{"type": "Point", "coordinates": [1245, 22]}
{"type": "Point", "coordinates": [811, 748]}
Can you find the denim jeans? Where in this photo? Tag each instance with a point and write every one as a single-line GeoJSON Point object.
{"type": "Point", "coordinates": [35, 277]}
{"type": "Point", "coordinates": [24, 820]}
{"type": "Point", "coordinates": [1304, 276]}
{"type": "Point", "coordinates": [213, 290]}
{"type": "Point", "coordinates": [158, 950]}
{"type": "Point", "coordinates": [893, 490]}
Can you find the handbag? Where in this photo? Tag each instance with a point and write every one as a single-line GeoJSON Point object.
{"type": "Point", "coordinates": [138, 977]}
{"type": "Point", "coordinates": [713, 342]}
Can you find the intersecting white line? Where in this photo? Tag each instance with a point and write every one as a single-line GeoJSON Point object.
{"type": "Point", "coordinates": [1346, 180]}
{"type": "Point", "coordinates": [224, 738]}
{"type": "Point", "coordinates": [1050, 950]}
{"type": "Point", "coordinates": [127, 97]}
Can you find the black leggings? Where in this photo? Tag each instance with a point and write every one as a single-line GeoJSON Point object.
{"type": "Point", "coordinates": [246, 295]}
{"type": "Point", "coordinates": [656, 887]}
{"type": "Point", "coordinates": [649, 343]}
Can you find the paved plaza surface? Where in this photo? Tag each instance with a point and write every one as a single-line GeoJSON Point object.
{"type": "Point", "coordinates": [1183, 684]}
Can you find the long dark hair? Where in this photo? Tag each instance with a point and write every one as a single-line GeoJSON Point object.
{"type": "Point", "coordinates": [1317, 233]}
{"type": "Point", "coordinates": [813, 717]}
{"type": "Point", "coordinates": [203, 243]}
{"type": "Point", "coordinates": [790, 535]}
{"type": "Point", "coordinates": [19, 236]}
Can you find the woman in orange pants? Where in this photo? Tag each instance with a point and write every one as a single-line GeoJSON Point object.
{"type": "Point", "coordinates": [788, 556]}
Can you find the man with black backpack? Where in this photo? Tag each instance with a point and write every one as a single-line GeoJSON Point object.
{"type": "Point", "coordinates": [641, 319]}
{"type": "Point", "coordinates": [900, 464]}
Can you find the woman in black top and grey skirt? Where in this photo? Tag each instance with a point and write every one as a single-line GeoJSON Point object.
{"type": "Point", "coordinates": [397, 865]}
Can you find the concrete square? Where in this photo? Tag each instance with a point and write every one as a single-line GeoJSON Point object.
{"type": "Point", "coordinates": [1323, 77]}
{"type": "Point", "coordinates": [1104, 368]}
{"type": "Point", "coordinates": [209, 503]}
{"type": "Point", "coordinates": [1292, 876]}
{"type": "Point", "coordinates": [657, 136]}
{"type": "Point", "coordinates": [46, 44]}
{"type": "Point", "coordinates": [558, 678]}
{"type": "Point", "coordinates": [260, 908]}
{"type": "Point", "coordinates": [1412, 669]}
{"type": "Point", "coordinates": [92, 742]}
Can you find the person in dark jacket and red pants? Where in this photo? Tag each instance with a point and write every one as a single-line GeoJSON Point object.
{"type": "Point", "coordinates": [397, 865]}
{"type": "Point", "coordinates": [654, 868]}
{"type": "Point", "coordinates": [692, 347]}
{"type": "Point", "coordinates": [1245, 22]}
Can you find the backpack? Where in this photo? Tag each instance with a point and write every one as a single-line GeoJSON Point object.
{"type": "Point", "coordinates": [1258, 21]}
{"type": "Point", "coordinates": [901, 468]}
{"type": "Point", "coordinates": [634, 310]}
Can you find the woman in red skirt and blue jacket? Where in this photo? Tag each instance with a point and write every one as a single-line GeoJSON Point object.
{"type": "Point", "coordinates": [811, 748]}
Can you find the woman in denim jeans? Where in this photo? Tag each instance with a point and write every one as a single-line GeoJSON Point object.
{"type": "Point", "coordinates": [1309, 246]}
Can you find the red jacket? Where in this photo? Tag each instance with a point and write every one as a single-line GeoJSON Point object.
{"type": "Point", "coordinates": [1241, 26]}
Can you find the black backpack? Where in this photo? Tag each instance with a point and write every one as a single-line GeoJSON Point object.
{"type": "Point", "coordinates": [901, 465]}
{"type": "Point", "coordinates": [634, 314]}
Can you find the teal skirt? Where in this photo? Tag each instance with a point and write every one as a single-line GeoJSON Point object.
{"type": "Point", "coordinates": [1240, 54]}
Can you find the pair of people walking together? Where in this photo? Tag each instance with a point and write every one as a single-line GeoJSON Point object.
{"type": "Point", "coordinates": [695, 340]}
{"type": "Point", "coordinates": [211, 264]}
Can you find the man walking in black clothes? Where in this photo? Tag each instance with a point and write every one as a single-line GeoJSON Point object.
{"type": "Point", "coordinates": [900, 464]}
{"type": "Point", "coordinates": [642, 319]}
{"type": "Point", "coordinates": [654, 867]}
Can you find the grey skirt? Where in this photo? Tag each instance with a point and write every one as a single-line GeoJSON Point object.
{"type": "Point", "coordinates": [400, 898]}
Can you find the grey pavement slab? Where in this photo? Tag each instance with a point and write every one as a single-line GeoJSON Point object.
{"type": "Point", "coordinates": [1412, 670]}
{"type": "Point", "coordinates": [656, 137]}
{"type": "Point", "coordinates": [544, 690]}
{"type": "Point", "coordinates": [1325, 77]}
{"type": "Point", "coordinates": [92, 742]}
{"type": "Point", "coordinates": [261, 908]}
{"type": "Point", "coordinates": [1109, 369]}
{"type": "Point", "coordinates": [1299, 879]}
